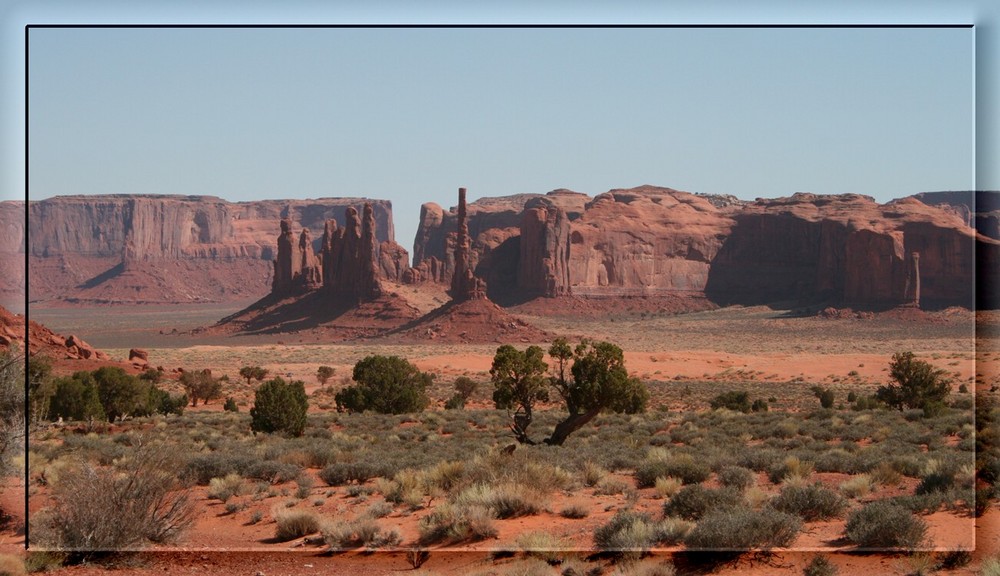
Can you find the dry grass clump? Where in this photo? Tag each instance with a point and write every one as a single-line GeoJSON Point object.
{"type": "Point", "coordinates": [362, 531]}
{"type": "Point", "coordinates": [857, 487]}
{"type": "Point", "coordinates": [694, 501]}
{"type": "Point", "coordinates": [226, 487]}
{"type": "Point", "coordinates": [542, 545]}
{"type": "Point", "coordinates": [293, 523]}
{"type": "Point", "coordinates": [450, 524]}
{"type": "Point", "coordinates": [791, 469]}
{"type": "Point", "coordinates": [575, 510]}
{"type": "Point", "coordinates": [666, 487]}
{"type": "Point", "coordinates": [503, 501]}
{"type": "Point", "coordinates": [658, 464]}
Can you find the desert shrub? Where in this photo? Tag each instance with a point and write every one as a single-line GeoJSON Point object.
{"type": "Point", "coordinates": [451, 524]}
{"type": "Point", "coordinates": [683, 466]}
{"type": "Point", "coordinates": [885, 474]}
{"type": "Point", "coordinates": [759, 405]}
{"type": "Point", "coordinates": [883, 524]}
{"type": "Point", "coordinates": [230, 405]}
{"type": "Point", "coordinates": [809, 502]}
{"type": "Point", "coordinates": [591, 474]}
{"type": "Point", "coordinates": [736, 400]}
{"type": "Point", "coordinates": [100, 508]}
{"type": "Point", "coordinates": [226, 487]}
{"type": "Point", "coordinates": [610, 486]}
{"type": "Point", "coordinates": [857, 486]}
{"type": "Point", "coordinates": [75, 398]}
{"type": "Point", "coordinates": [936, 481]}
{"type": "Point", "coordinates": [362, 531]}
{"type": "Point", "coordinates": [200, 384]}
{"type": "Point", "coordinates": [954, 559]}
{"type": "Point", "coordinates": [291, 524]}
{"type": "Point", "coordinates": [324, 373]}
{"type": "Point", "coordinates": [983, 501]}
{"type": "Point", "coordinates": [790, 468]}
{"type": "Point", "coordinates": [541, 545]}
{"type": "Point", "coordinates": [917, 383]}
{"type": "Point", "coordinates": [279, 406]}
{"type": "Point", "coordinates": [627, 531]}
{"type": "Point", "coordinates": [819, 566]}
{"type": "Point", "coordinates": [387, 385]}
{"type": "Point", "coordinates": [667, 487]}
{"type": "Point", "coordinates": [204, 467]}
{"type": "Point", "coordinates": [575, 511]}
{"type": "Point", "coordinates": [693, 501]}
{"type": "Point", "coordinates": [272, 471]}
{"type": "Point", "coordinates": [736, 477]}
{"type": "Point", "coordinates": [503, 501]}
{"type": "Point", "coordinates": [341, 473]}
{"type": "Point", "coordinates": [740, 528]}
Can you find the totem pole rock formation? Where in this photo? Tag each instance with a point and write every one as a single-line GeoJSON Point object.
{"type": "Point", "coordinates": [288, 264]}
{"type": "Point", "coordinates": [464, 283]}
{"type": "Point", "coordinates": [911, 296]}
{"type": "Point", "coordinates": [311, 275]}
{"type": "Point", "coordinates": [351, 257]}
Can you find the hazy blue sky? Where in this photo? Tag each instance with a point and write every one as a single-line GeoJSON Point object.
{"type": "Point", "coordinates": [412, 114]}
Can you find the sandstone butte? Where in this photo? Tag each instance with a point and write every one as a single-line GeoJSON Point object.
{"type": "Point", "coordinates": [844, 250]}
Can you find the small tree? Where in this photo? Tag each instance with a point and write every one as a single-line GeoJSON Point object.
{"type": "Point", "coordinates": [387, 385]}
{"type": "Point", "coordinates": [518, 382]}
{"type": "Point", "coordinates": [600, 382]}
{"type": "Point", "coordinates": [253, 373]}
{"type": "Point", "coordinates": [917, 384]}
{"type": "Point", "coordinates": [120, 393]}
{"type": "Point", "coordinates": [200, 384]}
{"type": "Point", "coordinates": [826, 396]}
{"type": "Point", "coordinates": [464, 388]}
{"type": "Point", "coordinates": [324, 373]}
{"type": "Point", "coordinates": [279, 406]}
{"type": "Point", "coordinates": [41, 385]}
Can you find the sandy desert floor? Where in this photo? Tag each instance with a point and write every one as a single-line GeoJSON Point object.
{"type": "Point", "coordinates": [684, 359]}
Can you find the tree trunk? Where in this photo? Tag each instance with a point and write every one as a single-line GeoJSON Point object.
{"type": "Point", "coordinates": [571, 424]}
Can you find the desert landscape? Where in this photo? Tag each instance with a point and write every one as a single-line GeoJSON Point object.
{"type": "Point", "coordinates": [752, 411]}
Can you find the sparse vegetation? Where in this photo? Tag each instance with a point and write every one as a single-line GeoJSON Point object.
{"type": "Point", "coordinates": [884, 525]}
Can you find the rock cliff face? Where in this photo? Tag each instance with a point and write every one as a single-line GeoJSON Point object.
{"type": "Point", "coordinates": [651, 241]}
{"type": "Point", "coordinates": [116, 248]}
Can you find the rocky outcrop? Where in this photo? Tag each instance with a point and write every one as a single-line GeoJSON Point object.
{"type": "Point", "coordinates": [845, 248]}
{"type": "Point", "coordinates": [354, 262]}
{"type": "Point", "coordinates": [544, 249]}
{"type": "Point", "coordinates": [135, 248]}
{"type": "Point", "coordinates": [465, 285]}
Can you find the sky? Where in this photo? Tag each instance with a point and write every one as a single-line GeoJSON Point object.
{"type": "Point", "coordinates": [412, 114]}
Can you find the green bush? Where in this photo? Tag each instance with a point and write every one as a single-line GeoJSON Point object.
{"type": "Point", "coordinates": [736, 477]}
{"type": "Point", "coordinates": [883, 524]}
{"type": "Point", "coordinates": [684, 467]}
{"type": "Point", "coordinates": [694, 501]}
{"type": "Point", "coordinates": [743, 529]}
{"type": "Point", "coordinates": [387, 385]}
{"type": "Point", "coordinates": [809, 502]}
{"type": "Point", "coordinates": [341, 473]}
{"type": "Point", "coordinates": [917, 384]}
{"type": "Point", "coordinates": [279, 406]}
{"type": "Point", "coordinates": [736, 400]}
{"type": "Point", "coordinates": [627, 531]}
{"type": "Point", "coordinates": [230, 405]}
